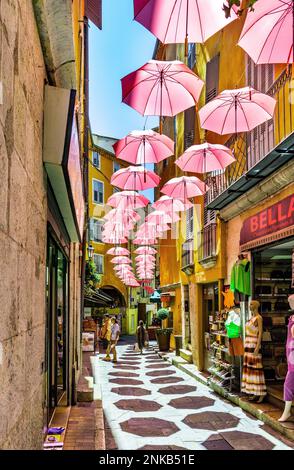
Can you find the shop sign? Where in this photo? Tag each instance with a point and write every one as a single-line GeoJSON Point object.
{"type": "Point", "coordinates": [275, 218]}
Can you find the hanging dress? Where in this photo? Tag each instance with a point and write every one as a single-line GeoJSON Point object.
{"type": "Point", "coordinates": [289, 382]}
{"type": "Point", "coordinates": [253, 381]}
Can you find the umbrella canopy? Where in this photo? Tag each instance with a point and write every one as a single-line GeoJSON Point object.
{"type": "Point", "coordinates": [239, 110]}
{"type": "Point", "coordinates": [145, 250]}
{"type": "Point", "coordinates": [145, 241]}
{"type": "Point", "coordinates": [184, 187]}
{"type": "Point", "coordinates": [121, 214]}
{"type": "Point", "coordinates": [205, 158]}
{"type": "Point", "coordinates": [145, 258]}
{"type": "Point", "coordinates": [135, 178]}
{"type": "Point", "coordinates": [158, 217]}
{"type": "Point", "coordinates": [178, 21]}
{"type": "Point", "coordinates": [140, 147]}
{"type": "Point", "coordinates": [267, 34]}
{"type": "Point", "coordinates": [121, 260]}
{"type": "Point", "coordinates": [161, 88]}
{"type": "Point", "coordinates": [129, 199]}
{"type": "Point", "coordinates": [118, 251]}
{"type": "Point", "coordinates": [114, 239]}
{"type": "Point", "coordinates": [171, 205]}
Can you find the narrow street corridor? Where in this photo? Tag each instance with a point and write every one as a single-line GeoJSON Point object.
{"type": "Point", "coordinates": [150, 404]}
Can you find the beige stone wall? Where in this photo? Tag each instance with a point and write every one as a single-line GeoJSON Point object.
{"type": "Point", "coordinates": [23, 214]}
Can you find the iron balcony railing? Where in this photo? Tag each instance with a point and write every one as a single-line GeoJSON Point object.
{"type": "Point", "coordinates": [250, 148]}
{"type": "Point", "coordinates": [207, 246]}
{"type": "Point", "coordinates": [187, 253]}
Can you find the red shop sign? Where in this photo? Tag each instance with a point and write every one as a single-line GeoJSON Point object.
{"type": "Point", "coordinates": [274, 219]}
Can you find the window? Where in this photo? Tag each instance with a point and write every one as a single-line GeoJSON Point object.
{"type": "Point", "coordinates": [98, 192]}
{"type": "Point", "coordinates": [212, 77]}
{"type": "Point", "coordinates": [116, 166]}
{"type": "Point", "coordinates": [96, 159]}
{"type": "Point", "coordinates": [96, 230]}
{"type": "Point", "coordinates": [116, 190]}
{"type": "Point", "coordinates": [191, 55]}
{"type": "Point", "coordinates": [99, 263]}
{"type": "Point", "coordinates": [189, 223]}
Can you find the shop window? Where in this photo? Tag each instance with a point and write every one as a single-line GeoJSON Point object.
{"type": "Point", "coordinates": [98, 192]}
{"type": "Point", "coordinates": [96, 159]}
{"type": "Point", "coordinates": [99, 263]}
{"type": "Point", "coordinates": [96, 230]}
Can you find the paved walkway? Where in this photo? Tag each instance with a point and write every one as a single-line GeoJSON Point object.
{"type": "Point", "coordinates": [150, 404]}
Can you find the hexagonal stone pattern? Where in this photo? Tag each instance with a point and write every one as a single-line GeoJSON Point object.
{"type": "Point", "coordinates": [246, 441]}
{"type": "Point", "coordinates": [149, 427]}
{"type": "Point", "coordinates": [155, 361]}
{"type": "Point", "coordinates": [133, 391]}
{"type": "Point", "coordinates": [123, 374]}
{"type": "Point", "coordinates": [153, 356]}
{"type": "Point", "coordinates": [158, 366]}
{"type": "Point", "coordinates": [127, 363]}
{"type": "Point", "coordinates": [177, 389]}
{"type": "Point", "coordinates": [167, 380]}
{"type": "Point", "coordinates": [130, 359]}
{"type": "Point", "coordinates": [138, 405]}
{"type": "Point", "coordinates": [123, 367]}
{"type": "Point", "coordinates": [216, 442]}
{"type": "Point", "coordinates": [163, 447]}
{"type": "Point", "coordinates": [159, 373]}
{"type": "Point", "coordinates": [212, 421]}
{"type": "Point", "coordinates": [124, 381]}
{"type": "Point", "coordinates": [193, 403]}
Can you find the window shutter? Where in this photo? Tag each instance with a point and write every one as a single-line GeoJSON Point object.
{"type": "Point", "coordinates": [190, 116]}
{"type": "Point", "coordinates": [91, 226]}
{"type": "Point", "coordinates": [189, 223]}
{"type": "Point", "coordinates": [212, 78]}
{"type": "Point", "coordinates": [93, 11]}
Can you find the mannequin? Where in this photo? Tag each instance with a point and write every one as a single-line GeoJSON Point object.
{"type": "Point", "coordinates": [289, 381]}
{"type": "Point", "coordinates": [233, 327]}
{"type": "Point", "coordinates": [253, 381]}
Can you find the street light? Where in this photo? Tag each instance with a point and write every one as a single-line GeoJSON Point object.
{"type": "Point", "coordinates": [90, 251]}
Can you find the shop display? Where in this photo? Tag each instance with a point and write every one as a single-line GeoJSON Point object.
{"type": "Point", "coordinates": [240, 279]}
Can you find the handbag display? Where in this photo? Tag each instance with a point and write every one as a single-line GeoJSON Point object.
{"type": "Point", "coordinates": [281, 370]}
{"type": "Point", "coordinates": [266, 336]}
{"type": "Point", "coordinates": [279, 321]}
{"type": "Point", "coordinates": [263, 290]}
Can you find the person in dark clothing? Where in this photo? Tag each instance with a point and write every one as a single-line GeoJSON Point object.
{"type": "Point", "coordinates": [141, 336]}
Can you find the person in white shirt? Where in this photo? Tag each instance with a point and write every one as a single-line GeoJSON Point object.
{"type": "Point", "coordinates": [115, 331]}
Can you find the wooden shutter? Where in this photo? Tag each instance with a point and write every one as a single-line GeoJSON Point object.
{"type": "Point", "coordinates": [91, 228]}
{"type": "Point", "coordinates": [212, 78]}
{"type": "Point", "coordinates": [93, 11]}
{"type": "Point", "coordinates": [189, 223]}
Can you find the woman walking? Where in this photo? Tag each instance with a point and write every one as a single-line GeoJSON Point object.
{"type": "Point", "coordinates": [141, 336]}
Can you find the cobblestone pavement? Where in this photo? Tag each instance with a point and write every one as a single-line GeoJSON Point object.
{"type": "Point", "coordinates": [150, 404]}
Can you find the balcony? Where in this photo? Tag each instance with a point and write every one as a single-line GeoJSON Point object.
{"type": "Point", "coordinates": [207, 248]}
{"type": "Point", "coordinates": [188, 257]}
{"type": "Point", "coordinates": [258, 153]}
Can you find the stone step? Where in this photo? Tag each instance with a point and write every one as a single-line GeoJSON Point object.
{"type": "Point", "coordinates": [187, 355]}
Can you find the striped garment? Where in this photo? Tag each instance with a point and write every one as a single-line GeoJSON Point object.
{"type": "Point", "coordinates": [253, 381]}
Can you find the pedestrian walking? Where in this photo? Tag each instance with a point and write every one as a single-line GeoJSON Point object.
{"type": "Point", "coordinates": [141, 336]}
{"type": "Point", "coordinates": [115, 331]}
{"type": "Point", "coordinates": [106, 336]}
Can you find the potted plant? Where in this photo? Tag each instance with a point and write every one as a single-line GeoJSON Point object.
{"type": "Point", "coordinates": [163, 334]}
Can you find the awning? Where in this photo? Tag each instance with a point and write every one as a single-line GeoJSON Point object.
{"type": "Point", "coordinates": [99, 298]}
{"type": "Point", "coordinates": [272, 162]}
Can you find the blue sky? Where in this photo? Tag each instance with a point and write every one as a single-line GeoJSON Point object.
{"type": "Point", "coordinates": [121, 47]}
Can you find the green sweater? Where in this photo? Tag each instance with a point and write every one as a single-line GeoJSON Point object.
{"type": "Point", "coordinates": [240, 277]}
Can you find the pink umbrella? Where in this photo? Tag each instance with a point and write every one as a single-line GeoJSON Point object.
{"type": "Point", "coordinates": [145, 258]}
{"type": "Point", "coordinates": [145, 241]}
{"type": "Point", "coordinates": [121, 260]}
{"type": "Point", "coordinates": [121, 214]}
{"type": "Point", "coordinates": [145, 250]}
{"type": "Point", "coordinates": [130, 199]}
{"type": "Point", "coordinates": [114, 239]}
{"type": "Point", "coordinates": [239, 110]}
{"type": "Point", "coordinates": [205, 158]}
{"type": "Point", "coordinates": [140, 147]}
{"type": "Point", "coordinates": [161, 88]}
{"type": "Point", "coordinates": [178, 21]}
{"type": "Point", "coordinates": [184, 187]}
{"type": "Point", "coordinates": [267, 34]}
{"type": "Point", "coordinates": [135, 178]}
{"type": "Point", "coordinates": [118, 251]}
{"type": "Point", "coordinates": [158, 217]}
{"type": "Point", "coordinates": [171, 205]}
{"type": "Point", "coordinates": [123, 268]}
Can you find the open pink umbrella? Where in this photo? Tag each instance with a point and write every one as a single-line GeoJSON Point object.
{"type": "Point", "coordinates": [123, 268]}
{"type": "Point", "coordinates": [268, 32]}
{"type": "Point", "coordinates": [135, 178]}
{"type": "Point", "coordinates": [145, 241]}
{"type": "Point", "coordinates": [129, 199]}
{"type": "Point", "coordinates": [205, 158]}
{"type": "Point", "coordinates": [118, 251]}
{"type": "Point", "coordinates": [184, 187]}
{"type": "Point", "coordinates": [141, 147]}
{"type": "Point", "coordinates": [145, 258]}
{"type": "Point", "coordinates": [114, 239]}
{"type": "Point", "coordinates": [234, 111]}
{"type": "Point", "coordinates": [158, 217]}
{"type": "Point", "coordinates": [180, 21]}
{"type": "Point", "coordinates": [121, 260]}
{"type": "Point", "coordinates": [171, 205]}
{"type": "Point", "coordinates": [145, 250]}
{"type": "Point", "coordinates": [161, 88]}
{"type": "Point", "coordinates": [121, 214]}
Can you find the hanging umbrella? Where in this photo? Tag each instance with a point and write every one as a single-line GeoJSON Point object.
{"type": "Point", "coordinates": [121, 260]}
{"type": "Point", "coordinates": [161, 88]}
{"type": "Point", "coordinates": [129, 199]}
{"type": "Point", "coordinates": [145, 258]}
{"type": "Point", "coordinates": [171, 205]}
{"type": "Point", "coordinates": [182, 21]}
{"type": "Point", "coordinates": [184, 187]}
{"type": "Point", "coordinates": [158, 217]}
{"type": "Point", "coordinates": [118, 251]}
{"type": "Point", "coordinates": [268, 32]}
{"type": "Point", "coordinates": [145, 241]}
{"type": "Point", "coordinates": [234, 111]}
{"type": "Point", "coordinates": [205, 158]}
{"type": "Point", "coordinates": [135, 178]}
{"type": "Point", "coordinates": [145, 250]}
{"type": "Point", "coordinates": [114, 239]}
{"type": "Point", "coordinates": [141, 147]}
{"type": "Point", "coordinates": [120, 214]}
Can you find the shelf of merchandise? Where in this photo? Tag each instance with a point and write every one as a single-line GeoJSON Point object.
{"type": "Point", "coordinates": [267, 279]}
